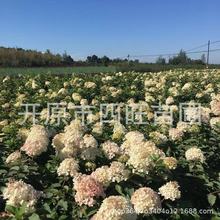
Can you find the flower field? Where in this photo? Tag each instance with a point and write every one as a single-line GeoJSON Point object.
{"type": "Point", "coordinates": [117, 146]}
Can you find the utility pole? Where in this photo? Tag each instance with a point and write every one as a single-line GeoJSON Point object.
{"type": "Point", "coordinates": [207, 63]}
{"type": "Point", "coordinates": [128, 57]}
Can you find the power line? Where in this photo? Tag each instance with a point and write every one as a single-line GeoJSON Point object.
{"type": "Point", "coordinates": [214, 42]}
{"type": "Point", "coordinates": [173, 54]}
{"type": "Point", "coordinates": [203, 45]}
{"type": "Point", "coordinates": [195, 48]}
{"type": "Point", "coordinates": [189, 51]}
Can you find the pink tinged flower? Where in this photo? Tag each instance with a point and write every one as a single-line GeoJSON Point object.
{"type": "Point", "coordinates": [87, 189]}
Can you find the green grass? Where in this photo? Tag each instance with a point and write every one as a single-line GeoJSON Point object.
{"type": "Point", "coordinates": [140, 67]}
{"type": "Point", "coordinates": [55, 70]}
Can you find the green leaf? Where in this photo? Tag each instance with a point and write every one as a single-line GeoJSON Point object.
{"type": "Point", "coordinates": [21, 210]}
{"type": "Point", "coordinates": [63, 217]}
{"type": "Point", "coordinates": [11, 209]}
{"type": "Point", "coordinates": [3, 172]}
{"type": "Point", "coordinates": [47, 207]}
{"type": "Point", "coordinates": [211, 199]}
{"type": "Point", "coordinates": [34, 217]}
{"type": "Point", "coordinates": [15, 168]}
{"type": "Point", "coordinates": [119, 189]}
{"type": "Point", "coordinates": [63, 204]}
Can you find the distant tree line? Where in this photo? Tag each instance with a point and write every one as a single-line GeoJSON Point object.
{"type": "Point", "coordinates": [181, 59]}
{"type": "Point", "coordinates": [19, 57]}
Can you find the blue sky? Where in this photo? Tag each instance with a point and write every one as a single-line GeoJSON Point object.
{"type": "Point", "coordinates": [114, 28]}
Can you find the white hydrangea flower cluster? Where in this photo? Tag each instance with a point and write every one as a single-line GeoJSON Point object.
{"type": "Point", "coordinates": [145, 200]}
{"type": "Point", "coordinates": [205, 114]}
{"type": "Point", "coordinates": [97, 128]}
{"type": "Point", "coordinates": [131, 138]}
{"type": "Point", "coordinates": [36, 142]}
{"type": "Point", "coordinates": [18, 192]}
{"type": "Point", "coordinates": [157, 137]}
{"type": "Point", "coordinates": [116, 172]}
{"type": "Point", "coordinates": [101, 174]}
{"type": "Point", "coordinates": [68, 167]}
{"type": "Point", "coordinates": [140, 152]}
{"type": "Point", "coordinates": [186, 87]}
{"type": "Point", "coordinates": [183, 126]}
{"type": "Point", "coordinates": [175, 134]}
{"type": "Point", "coordinates": [191, 114]}
{"type": "Point", "coordinates": [169, 100]}
{"type": "Point", "coordinates": [115, 208]}
{"type": "Point", "coordinates": [194, 154]}
{"type": "Point", "coordinates": [110, 149]}
{"type": "Point", "coordinates": [170, 191]}
{"type": "Point", "coordinates": [74, 143]}
{"type": "Point", "coordinates": [118, 131]}
{"type": "Point", "coordinates": [76, 97]}
{"type": "Point", "coordinates": [89, 148]}
{"type": "Point", "coordinates": [215, 105]}
{"type": "Point", "coordinates": [170, 162]}
{"type": "Point", "coordinates": [214, 122]}
{"type": "Point", "coordinates": [89, 85]}
{"type": "Point", "coordinates": [91, 118]}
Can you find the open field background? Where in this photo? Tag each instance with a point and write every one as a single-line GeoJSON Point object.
{"type": "Point", "coordinates": [4, 71]}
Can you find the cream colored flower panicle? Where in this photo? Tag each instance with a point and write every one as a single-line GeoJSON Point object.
{"type": "Point", "coordinates": [145, 200]}
{"type": "Point", "coordinates": [36, 142]}
{"type": "Point", "coordinates": [134, 137]}
{"type": "Point", "coordinates": [117, 172]}
{"type": "Point", "coordinates": [183, 126]}
{"type": "Point", "coordinates": [157, 137]}
{"type": "Point", "coordinates": [170, 162]}
{"type": "Point", "coordinates": [76, 97]}
{"type": "Point", "coordinates": [92, 118]}
{"type": "Point", "coordinates": [13, 157]}
{"type": "Point", "coordinates": [88, 141]}
{"type": "Point", "coordinates": [194, 154]}
{"type": "Point", "coordinates": [101, 174]}
{"type": "Point", "coordinates": [97, 128]}
{"type": "Point", "coordinates": [215, 105]}
{"type": "Point", "coordinates": [115, 208]}
{"type": "Point", "coordinates": [140, 156]}
{"type": "Point", "coordinates": [187, 87]}
{"type": "Point", "coordinates": [110, 149]}
{"type": "Point", "coordinates": [67, 144]}
{"type": "Point", "coordinates": [89, 85]}
{"type": "Point", "coordinates": [89, 148]}
{"type": "Point", "coordinates": [18, 192]}
{"type": "Point", "coordinates": [83, 102]}
{"type": "Point", "coordinates": [118, 131]}
{"type": "Point", "coordinates": [170, 191]}
{"type": "Point", "coordinates": [73, 133]}
{"type": "Point", "coordinates": [68, 167]}
{"type": "Point", "coordinates": [169, 100]}
{"type": "Point", "coordinates": [205, 114]}
{"type": "Point", "coordinates": [214, 122]}
{"type": "Point", "coordinates": [175, 134]}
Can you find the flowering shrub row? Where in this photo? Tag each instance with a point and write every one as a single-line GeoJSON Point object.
{"type": "Point", "coordinates": [110, 171]}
